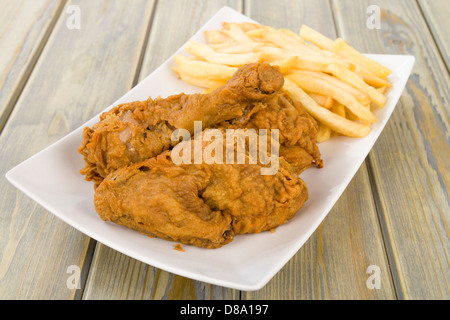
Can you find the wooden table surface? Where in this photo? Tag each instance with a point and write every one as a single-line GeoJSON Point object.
{"type": "Point", "coordinates": [394, 215]}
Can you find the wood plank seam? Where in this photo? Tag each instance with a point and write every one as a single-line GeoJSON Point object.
{"type": "Point", "coordinates": [386, 240]}
{"type": "Point", "coordinates": [86, 268]}
{"type": "Point", "coordinates": [23, 81]}
{"type": "Point", "coordinates": [439, 49]}
{"type": "Point", "coordinates": [333, 15]}
{"type": "Point", "coordinates": [144, 45]}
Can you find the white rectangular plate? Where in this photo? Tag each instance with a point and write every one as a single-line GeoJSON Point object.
{"type": "Point", "coordinates": [51, 177]}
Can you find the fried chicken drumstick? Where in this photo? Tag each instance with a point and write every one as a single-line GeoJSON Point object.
{"type": "Point", "coordinates": [139, 130]}
{"type": "Point", "coordinates": [199, 204]}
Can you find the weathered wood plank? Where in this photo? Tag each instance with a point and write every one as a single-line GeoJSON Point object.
{"type": "Point", "coordinates": [24, 30]}
{"type": "Point", "coordinates": [436, 13]}
{"type": "Point", "coordinates": [333, 262]}
{"type": "Point", "coordinates": [79, 73]}
{"type": "Point", "coordinates": [410, 163]}
{"type": "Point", "coordinates": [114, 275]}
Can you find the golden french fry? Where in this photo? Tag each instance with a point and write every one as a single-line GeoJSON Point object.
{"type": "Point", "coordinates": [281, 39]}
{"type": "Point", "coordinates": [245, 26]}
{"type": "Point", "coordinates": [381, 90]}
{"type": "Point", "coordinates": [324, 133]}
{"type": "Point", "coordinates": [361, 96]}
{"type": "Point", "coordinates": [199, 82]}
{"type": "Point", "coordinates": [355, 81]}
{"type": "Point", "coordinates": [351, 116]}
{"type": "Point", "coordinates": [270, 53]}
{"type": "Point", "coordinates": [372, 79]}
{"type": "Point", "coordinates": [292, 35]}
{"type": "Point", "coordinates": [241, 47]}
{"type": "Point", "coordinates": [237, 34]}
{"type": "Point", "coordinates": [320, 86]}
{"type": "Point", "coordinates": [342, 48]}
{"type": "Point", "coordinates": [217, 36]}
{"type": "Point", "coordinates": [308, 61]}
{"type": "Point", "coordinates": [339, 109]}
{"type": "Point", "coordinates": [328, 118]}
{"type": "Point", "coordinates": [286, 65]}
{"type": "Point", "coordinates": [316, 62]}
{"type": "Point", "coordinates": [316, 38]}
{"type": "Point", "coordinates": [323, 101]}
{"type": "Point", "coordinates": [229, 59]}
{"type": "Point", "coordinates": [203, 69]}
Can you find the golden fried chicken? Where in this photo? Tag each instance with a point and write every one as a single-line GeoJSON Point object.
{"type": "Point", "coordinates": [204, 205]}
{"type": "Point", "coordinates": [139, 130]}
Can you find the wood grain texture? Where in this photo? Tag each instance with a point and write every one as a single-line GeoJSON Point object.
{"type": "Point", "coordinates": [79, 73]}
{"type": "Point", "coordinates": [25, 26]}
{"type": "Point", "coordinates": [110, 276]}
{"type": "Point", "coordinates": [409, 162]}
{"type": "Point", "coordinates": [437, 13]}
{"type": "Point", "coordinates": [333, 262]}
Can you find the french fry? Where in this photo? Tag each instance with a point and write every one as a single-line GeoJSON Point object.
{"type": "Point", "coordinates": [328, 118]}
{"type": "Point", "coordinates": [197, 81]}
{"type": "Point", "coordinates": [293, 35]}
{"type": "Point", "coordinates": [339, 109]}
{"type": "Point", "coordinates": [237, 34]}
{"type": "Point", "coordinates": [316, 37]}
{"type": "Point", "coordinates": [286, 65]}
{"type": "Point", "coordinates": [245, 26]}
{"type": "Point", "coordinates": [372, 79]}
{"type": "Point", "coordinates": [281, 39]}
{"type": "Point", "coordinates": [317, 63]}
{"type": "Point", "coordinates": [355, 81]}
{"type": "Point", "coordinates": [229, 59]}
{"type": "Point", "coordinates": [324, 133]}
{"type": "Point", "coordinates": [308, 61]}
{"type": "Point", "coordinates": [323, 87]}
{"type": "Point", "coordinates": [323, 101]}
{"type": "Point", "coordinates": [217, 37]}
{"type": "Point", "coordinates": [203, 69]}
{"type": "Point", "coordinates": [240, 47]}
{"type": "Point", "coordinates": [361, 96]}
{"type": "Point", "coordinates": [270, 53]}
{"type": "Point", "coordinates": [381, 90]}
{"type": "Point", "coordinates": [342, 48]}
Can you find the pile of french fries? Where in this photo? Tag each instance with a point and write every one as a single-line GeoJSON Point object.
{"type": "Point", "coordinates": [336, 84]}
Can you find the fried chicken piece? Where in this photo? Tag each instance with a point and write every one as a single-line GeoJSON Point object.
{"type": "Point", "coordinates": [139, 130]}
{"type": "Point", "coordinates": [204, 205]}
{"type": "Point", "coordinates": [297, 129]}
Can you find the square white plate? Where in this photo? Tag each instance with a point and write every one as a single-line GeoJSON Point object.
{"type": "Point", "coordinates": [51, 178]}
